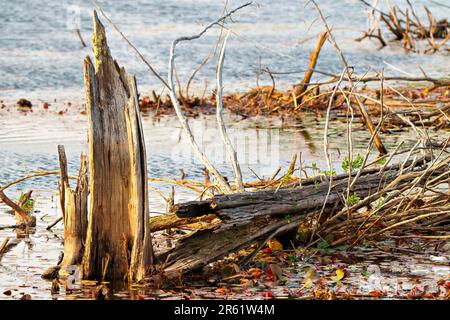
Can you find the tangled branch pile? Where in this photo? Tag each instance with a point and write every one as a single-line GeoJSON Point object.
{"type": "Point", "coordinates": [405, 26]}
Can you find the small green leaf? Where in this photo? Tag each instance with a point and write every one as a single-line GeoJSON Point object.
{"type": "Point", "coordinates": [353, 199]}
{"type": "Point", "coordinates": [323, 245]}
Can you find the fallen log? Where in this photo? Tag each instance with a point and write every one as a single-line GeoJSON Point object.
{"type": "Point", "coordinates": [208, 245]}
{"type": "Point", "coordinates": [253, 216]}
{"type": "Point", "coordinates": [312, 192]}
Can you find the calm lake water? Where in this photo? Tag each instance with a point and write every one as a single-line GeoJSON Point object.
{"type": "Point", "coordinates": [41, 59]}
{"type": "Point", "coordinates": [41, 56]}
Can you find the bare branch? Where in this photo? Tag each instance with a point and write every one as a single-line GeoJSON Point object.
{"type": "Point", "coordinates": [220, 122]}
{"type": "Point", "coordinates": [222, 184]}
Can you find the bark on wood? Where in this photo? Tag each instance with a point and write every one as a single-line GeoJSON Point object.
{"type": "Point", "coordinates": [169, 221]}
{"type": "Point", "coordinates": [118, 242]}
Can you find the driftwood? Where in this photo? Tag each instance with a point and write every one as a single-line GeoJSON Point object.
{"type": "Point", "coordinates": [253, 216]}
{"type": "Point", "coordinates": [220, 122]}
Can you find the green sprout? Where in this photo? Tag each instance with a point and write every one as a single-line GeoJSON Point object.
{"type": "Point", "coordinates": [28, 205]}
{"type": "Point", "coordinates": [353, 199]}
{"type": "Point", "coordinates": [354, 164]}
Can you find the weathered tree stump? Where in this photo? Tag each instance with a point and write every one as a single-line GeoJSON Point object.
{"type": "Point", "coordinates": [118, 242]}
{"type": "Point", "coordinates": [74, 215]}
{"type": "Point", "coordinates": [74, 209]}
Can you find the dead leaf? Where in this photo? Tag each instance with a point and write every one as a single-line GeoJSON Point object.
{"type": "Point", "coordinates": [376, 293]}
{"type": "Point", "coordinates": [276, 270]}
{"type": "Point", "coordinates": [267, 295]}
{"type": "Point", "coordinates": [340, 274]}
{"type": "Point", "coordinates": [255, 272]}
{"type": "Point", "coordinates": [221, 291]}
{"type": "Point", "coordinates": [275, 245]}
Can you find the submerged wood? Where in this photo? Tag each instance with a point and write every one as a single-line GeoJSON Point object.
{"type": "Point", "coordinates": [118, 242]}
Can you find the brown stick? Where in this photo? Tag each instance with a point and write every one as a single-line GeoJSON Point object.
{"type": "Point", "coordinates": [312, 64]}
{"type": "Point", "coordinates": [3, 246]}
{"type": "Point", "coordinates": [54, 223]}
{"type": "Point", "coordinates": [81, 38]}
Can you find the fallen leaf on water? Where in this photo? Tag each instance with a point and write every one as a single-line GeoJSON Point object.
{"type": "Point", "coordinates": [428, 295]}
{"type": "Point", "coordinates": [255, 272]}
{"type": "Point", "coordinates": [376, 293]}
{"type": "Point", "coordinates": [221, 291]}
{"type": "Point", "coordinates": [340, 274]}
{"type": "Point", "coordinates": [415, 293]}
{"type": "Point", "coordinates": [308, 283]}
{"type": "Point", "coordinates": [310, 278]}
{"type": "Point", "coordinates": [267, 295]}
{"type": "Point", "coordinates": [275, 245]}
